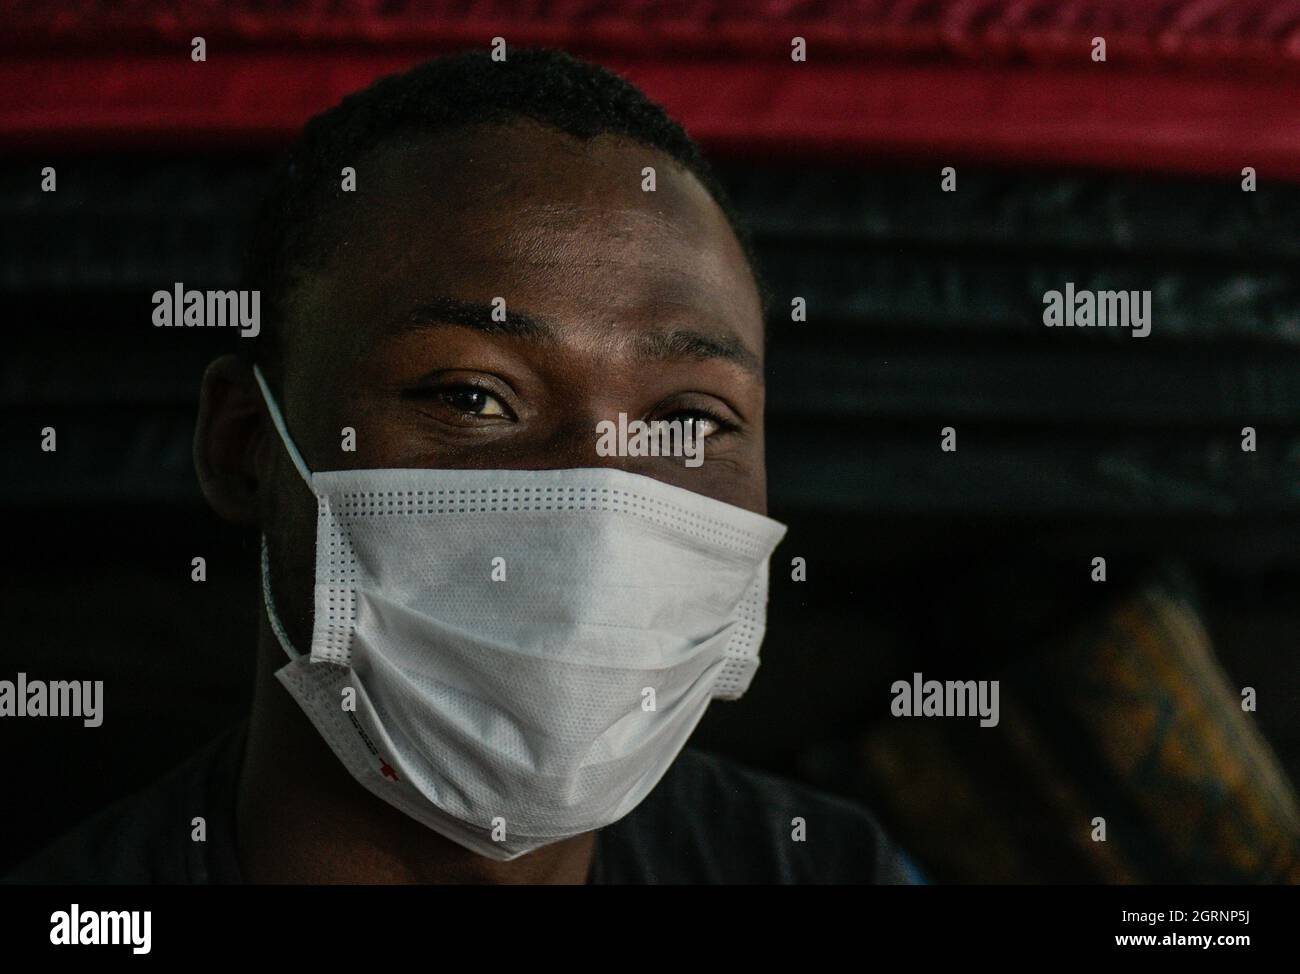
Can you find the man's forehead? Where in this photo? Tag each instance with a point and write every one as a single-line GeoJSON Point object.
{"type": "Point", "coordinates": [514, 189]}
{"type": "Point", "coordinates": [569, 234]}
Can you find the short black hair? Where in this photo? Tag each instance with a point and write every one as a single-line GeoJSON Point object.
{"type": "Point", "coordinates": [551, 87]}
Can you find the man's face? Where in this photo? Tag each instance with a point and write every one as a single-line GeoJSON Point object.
{"type": "Point", "coordinates": [618, 301]}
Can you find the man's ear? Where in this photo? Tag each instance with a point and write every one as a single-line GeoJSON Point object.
{"type": "Point", "coordinates": [226, 438]}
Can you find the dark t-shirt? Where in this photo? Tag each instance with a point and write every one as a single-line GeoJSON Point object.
{"type": "Point", "coordinates": [709, 820]}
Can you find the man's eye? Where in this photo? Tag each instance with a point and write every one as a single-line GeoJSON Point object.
{"type": "Point", "coordinates": [472, 401]}
{"type": "Point", "coordinates": [705, 424]}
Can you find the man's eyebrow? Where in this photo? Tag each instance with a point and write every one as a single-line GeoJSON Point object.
{"type": "Point", "coordinates": [472, 314]}
{"type": "Point", "coordinates": [660, 346]}
{"type": "Point", "coordinates": [685, 344]}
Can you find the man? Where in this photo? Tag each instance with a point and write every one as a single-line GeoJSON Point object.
{"type": "Point", "coordinates": [464, 270]}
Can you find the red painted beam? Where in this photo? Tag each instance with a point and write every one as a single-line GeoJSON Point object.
{"type": "Point", "coordinates": [1195, 86]}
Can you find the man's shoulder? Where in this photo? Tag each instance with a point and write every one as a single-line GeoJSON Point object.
{"type": "Point", "coordinates": [148, 836]}
{"type": "Point", "coordinates": [714, 820]}
{"type": "Point", "coordinates": [709, 820]}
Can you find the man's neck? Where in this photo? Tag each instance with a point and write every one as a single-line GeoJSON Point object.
{"type": "Point", "coordinates": [302, 818]}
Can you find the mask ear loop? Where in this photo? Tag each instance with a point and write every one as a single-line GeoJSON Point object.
{"type": "Point", "coordinates": [277, 418]}
{"type": "Point", "coordinates": [272, 616]}
{"type": "Point", "coordinates": [274, 409]}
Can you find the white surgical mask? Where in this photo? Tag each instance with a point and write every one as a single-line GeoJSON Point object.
{"type": "Point", "coordinates": [527, 651]}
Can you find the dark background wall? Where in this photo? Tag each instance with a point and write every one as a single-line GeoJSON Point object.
{"type": "Point", "coordinates": [923, 314]}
